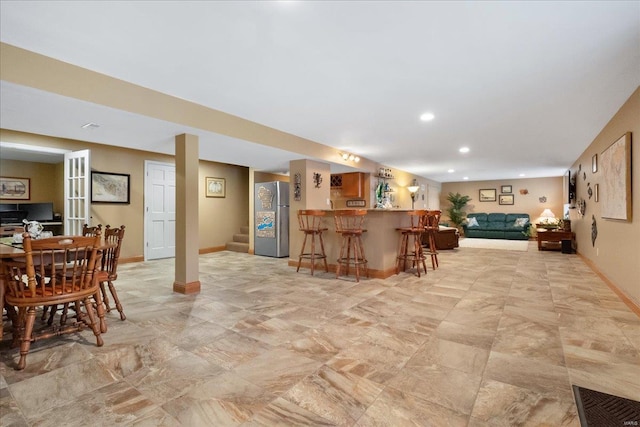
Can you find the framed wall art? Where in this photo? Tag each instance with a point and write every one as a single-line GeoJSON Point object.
{"type": "Point", "coordinates": [107, 187]}
{"type": "Point", "coordinates": [506, 199]}
{"type": "Point", "coordinates": [487, 195]}
{"type": "Point", "coordinates": [506, 189]}
{"type": "Point", "coordinates": [615, 190]}
{"type": "Point", "coordinates": [15, 188]}
{"type": "Point", "coordinates": [215, 187]}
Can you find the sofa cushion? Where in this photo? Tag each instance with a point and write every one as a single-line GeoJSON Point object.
{"type": "Point", "coordinates": [480, 217]}
{"type": "Point", "coordinates": [496, 217]}
{"type": "Point", "coordinates": [520, 222]}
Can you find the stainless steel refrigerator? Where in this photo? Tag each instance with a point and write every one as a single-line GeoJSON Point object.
{"type": "Point", "coordinates": [271, 207]}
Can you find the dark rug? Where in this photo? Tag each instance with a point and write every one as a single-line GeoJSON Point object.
{"type": "Point", "coordinates": [597, 409]}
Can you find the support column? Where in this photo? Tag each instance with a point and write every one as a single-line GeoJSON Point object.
{"type": "Point", "coordinates": [187, 233]}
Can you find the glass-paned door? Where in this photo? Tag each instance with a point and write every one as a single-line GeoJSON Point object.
{"type": "Point", "coordinates": [77, 187]}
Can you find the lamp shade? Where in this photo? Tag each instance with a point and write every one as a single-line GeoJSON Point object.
{"type": "Point", "coordinates": [414, 187]}
{"type": "Point", "coordinates": [547, 214]}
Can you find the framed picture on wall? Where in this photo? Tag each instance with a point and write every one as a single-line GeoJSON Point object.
{"type": "Point", "coordinates": [215, 187]}
{"type": "Point", "coordinates": [15, 188]}
{"type": "Point", "coordinates": [107, 187]}
{"type": "Point", "coordinates": [487, 195]}
{"type": "Point", "coordinates": [506, 189]}
{"type": "Point", "coordinates": [506, 199]}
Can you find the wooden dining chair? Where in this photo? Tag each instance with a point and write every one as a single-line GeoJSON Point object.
{"type": "Point", "coordinates": [54, 271]}
{"type": "Point", "coordinates": [90, 231]}
{"type": "Point", "coordinates": [109, 271]}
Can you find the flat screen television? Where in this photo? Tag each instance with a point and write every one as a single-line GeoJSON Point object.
{"type": "Point", "coordinates": [38, 211]}
{"type": "Point", "coordinates": [6, 207]}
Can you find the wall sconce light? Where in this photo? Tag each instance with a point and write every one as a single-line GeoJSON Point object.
{"type": "Point", "coordinates": [349, 156]}
{"type": "Point", "coordinates": [413, 189]}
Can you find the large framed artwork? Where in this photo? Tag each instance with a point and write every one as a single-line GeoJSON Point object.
{"type": "Point", "coordinates": [487, 195]}
{"type": "Point", "coordinates": [15, 188]}
{"type": "Point", "coordinates": [615, 187]}
{"type": "Point", "coordinates": [107, 187]}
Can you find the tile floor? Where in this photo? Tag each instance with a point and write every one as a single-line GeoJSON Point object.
{"type": "Point", "coordinates": [492, 338]}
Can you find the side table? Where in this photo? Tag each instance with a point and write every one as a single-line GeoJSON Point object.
{"type": "Point", "coordinates": [547, 236]}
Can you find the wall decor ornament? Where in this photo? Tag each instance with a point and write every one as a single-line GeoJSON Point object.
{"type": "Point", "coordinates": [594, 163]}
{"type": "Point", "coordinates": [596, 192]}
{"type": "Point", "coordinates": [582, 206]}
{"type": "Point", "coordinates": [615, 163]}
{"type": "Point", "coordinates": [15, 188]}
{"type": "Point", "coordinates": [317, 179]}
{"type": "Point", "coordinates": [297, 187]}
{"type": "Point", "coordinates": [524, 191]}
{"type": "Point", "coordinates": [215, 187]}
{"type": "Point", "coordinates": [542, 199]}
{"type": "Point", "coordinates": [594, 230]}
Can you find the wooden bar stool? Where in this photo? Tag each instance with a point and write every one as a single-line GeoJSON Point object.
{"type": "Point", "coordinates": [432, 227]}
{"type": "Point", "coordinates": [412, 235]}
{"type": "Point", "coordinates": [349, 224]}
{"type": "Point", "coordinates": [310, 222]}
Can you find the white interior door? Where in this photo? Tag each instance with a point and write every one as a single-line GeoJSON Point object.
{"type": "Point", "coordinates": [77, 187]}
{"type": "Point", "coordinates": [160, 210]}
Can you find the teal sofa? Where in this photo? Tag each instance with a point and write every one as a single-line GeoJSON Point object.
{"type": "Point", "coordinates": [497, 226]}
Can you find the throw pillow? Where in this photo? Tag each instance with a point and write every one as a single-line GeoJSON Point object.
{"type": "Point", "coordinates": [472, 222]}
{"type": "Point", "coordinates": [521, 222]}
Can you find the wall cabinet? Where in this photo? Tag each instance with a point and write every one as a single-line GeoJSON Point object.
{"type": "Point", "coordinates": [351, 185]}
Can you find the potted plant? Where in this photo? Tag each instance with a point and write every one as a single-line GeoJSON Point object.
{"type": "Point", "coordinates": [455, 211]}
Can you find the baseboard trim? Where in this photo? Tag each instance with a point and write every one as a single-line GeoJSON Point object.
{"type": "Point", "coordinates": [187, 288]}
{"type": "Point", "coordinates": [130, 259]}
{"type": "Point", "coordinates": [211, 250]}
{"type": "Point", "coordinates": [621, 294]}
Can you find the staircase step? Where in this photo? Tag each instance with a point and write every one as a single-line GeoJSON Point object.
{"type": "Point", "coordinates": [238, 247]}
{"type": "Point", "coordinates": [241, 238]}
{"type": "Point", "coordinates": [244, 229]}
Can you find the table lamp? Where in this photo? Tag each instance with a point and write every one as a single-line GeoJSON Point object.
{"type": "Point", "coordinates": [546, 216]}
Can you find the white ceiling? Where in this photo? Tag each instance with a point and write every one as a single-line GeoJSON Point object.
{"type": "Point", "coordinates": [526, 85]}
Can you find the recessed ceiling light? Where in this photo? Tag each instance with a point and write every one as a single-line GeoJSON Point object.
{"type": "Point", "coordinates": [451, 171]}
{"type": "Point", "coordinates": [464, 149]}
{"type": "Point", "coordinates": [465, 178]}
{"type": "Point", "coordinates": [521, 174]}
{"type": "Point", "coordinates": [427, 117]}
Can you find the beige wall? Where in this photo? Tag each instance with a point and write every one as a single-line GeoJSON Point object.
{"type": "Point", "coordinates": [616, 252]}
{"type": "Point", "coordinates": [219, 219]}
{"type": "Point", "coordinates": [550, 188]}
{"type": "Point", "coordinates": [268, 177]}
{"type": "Point", "coordinates": [45, 185]}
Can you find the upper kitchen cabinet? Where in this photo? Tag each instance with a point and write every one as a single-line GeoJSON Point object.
{"type": "Point", "coordinates": [350, 184]}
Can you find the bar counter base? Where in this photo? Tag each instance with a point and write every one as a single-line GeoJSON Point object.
{"type": "Point", "coordinates": [319, 268]}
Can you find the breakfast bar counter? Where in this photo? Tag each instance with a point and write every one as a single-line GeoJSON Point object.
{"type": "Point", "coordinates": [380, 242]}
